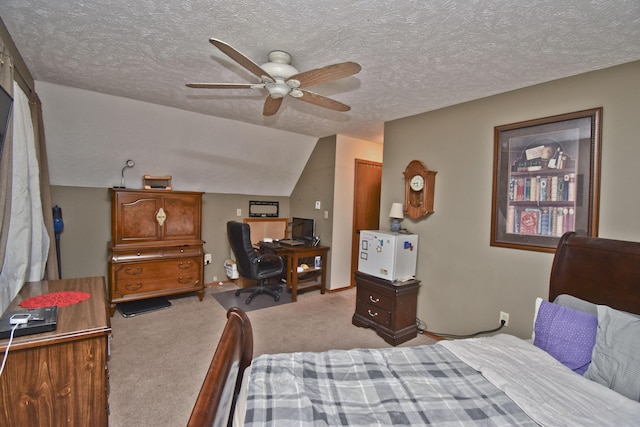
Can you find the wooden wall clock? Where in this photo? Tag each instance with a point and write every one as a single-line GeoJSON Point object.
{"type": "Point", "coordinates": [419, 188]}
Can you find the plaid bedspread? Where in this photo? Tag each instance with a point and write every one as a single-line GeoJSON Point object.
{"type": "Point", "coordinates": [425, 385]}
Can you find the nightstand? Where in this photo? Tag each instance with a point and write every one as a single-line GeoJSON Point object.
{"type": "Point", "coordinates": [388, 307]}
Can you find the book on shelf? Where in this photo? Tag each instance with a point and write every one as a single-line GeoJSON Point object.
{"type": "Point", "coordinates": [559, 222]}
{"type": "Point", "coordinates": [511, 212]}
{"type": "Point", "coordinates": [535, 196]}
{"type": "Point", "coordinates": [544, 221]}
{"type": "Point", "coordinates": [512, 187]}
{"type": "Point", "coordinates": [543, 189]}
{"type": "Point", "coordinates": [529, 219]}
{"type": "Point", "coordinates": [520, 190]}
{"type": "Point", "coordinates": [554, 188]}
{"type": "Point", "coordinates": [572, 188]}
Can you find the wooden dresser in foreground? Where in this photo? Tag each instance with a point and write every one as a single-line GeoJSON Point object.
{"type": "Point", "coordinates": [59, 378]}
{"type": "Point", "coordinates": [389, 308]}
{"type": "Point", "coordinates": [156, 245]}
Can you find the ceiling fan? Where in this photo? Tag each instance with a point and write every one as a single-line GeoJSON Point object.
{"type": "Point", "coordinates": [281, 79]}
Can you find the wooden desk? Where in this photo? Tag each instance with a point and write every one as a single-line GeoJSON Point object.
{"type": "Point", "coordinates": [59, 378]}
{"type": "Point", "coordinates": [309, 278]}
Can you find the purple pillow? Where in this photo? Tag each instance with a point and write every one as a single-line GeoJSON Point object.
{"type": "Point", "coordinates": [566, 334]}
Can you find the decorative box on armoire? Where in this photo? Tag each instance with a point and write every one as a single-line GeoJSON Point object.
{"type": "Point", "coordinates": [156, 244]}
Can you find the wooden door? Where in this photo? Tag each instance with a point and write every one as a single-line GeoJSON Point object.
{"type": "Point", "coordinates": [366, 205]}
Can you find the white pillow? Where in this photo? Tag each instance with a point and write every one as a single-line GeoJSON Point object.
{"type": "Point", "coordinates": [575, 303]}
{"type": "Point", "coordinates": [615, 361]}
{"type": "Point", "coordinates": [535, 316]}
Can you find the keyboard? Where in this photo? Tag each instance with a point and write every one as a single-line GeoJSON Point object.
{"type": "Point", "coordinates": [290, 242]}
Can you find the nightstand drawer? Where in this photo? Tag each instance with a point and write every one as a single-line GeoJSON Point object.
{"type": "Point", "coordinates": [369, 295]}
{"type": "Point", "coordinates": [375, 314]}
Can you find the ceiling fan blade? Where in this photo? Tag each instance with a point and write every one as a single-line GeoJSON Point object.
{"type": "Point", "coordinates": [224, 85]}
{"type": "Point", "coordinates": [326, 74]}
{"type": "Point", "coordinates": [322, 101]}
{"type": "Point", "coordinates": [271, 106]}
{"type": "Point", "coordinates": [239, 58]}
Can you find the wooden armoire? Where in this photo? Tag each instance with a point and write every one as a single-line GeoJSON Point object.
{"type": "Point", "coordinates": [156, 244]}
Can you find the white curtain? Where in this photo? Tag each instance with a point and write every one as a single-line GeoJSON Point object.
{"type": "Point", "coordinates": [28, 243]}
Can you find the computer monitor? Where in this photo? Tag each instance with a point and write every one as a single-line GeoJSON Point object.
{"type": "Point", "coordinates": [303, 229]}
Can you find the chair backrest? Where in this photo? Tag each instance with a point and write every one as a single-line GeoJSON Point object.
{"type": "Point", "coordinates": [239, 235]}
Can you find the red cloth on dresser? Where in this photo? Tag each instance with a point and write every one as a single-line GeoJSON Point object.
{"type": "Point", "coordinates": [60, 299]}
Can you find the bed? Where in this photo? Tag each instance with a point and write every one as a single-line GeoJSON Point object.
{"type": "Point", "coordinates": [592, 311]}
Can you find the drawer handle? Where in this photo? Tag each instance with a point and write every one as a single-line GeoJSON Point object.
{"type": "Point", "coordinates": [374, 300]}
{"type": "Point", "coordinates": [184, 281]}
{"type": "Point", "coordinates": [372, 314]}
{"type": "Point", "coordinates": [185, 265]}
{"type": "Point", "coordinates": [133, 270]}
{"type": "Point", "coordinates": [133, 286]}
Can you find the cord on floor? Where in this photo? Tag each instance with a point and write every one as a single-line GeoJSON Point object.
{"type": "Point", "coordinates": [422, 328]}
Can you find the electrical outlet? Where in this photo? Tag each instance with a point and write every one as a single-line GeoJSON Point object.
{"type": "Point", "coordinates": [215, 278]}
{"type": "Point", "coordinates": [318, 204]}
{"type": "Point", "coordinates": [207, 259]}
{"type": "Point", "coordinates": [504, 316]}
{"type": "Point", "coordinates": [238, 212]}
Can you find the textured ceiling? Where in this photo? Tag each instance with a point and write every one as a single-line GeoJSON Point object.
{"type": "Point", "coordinates": [416, 56]}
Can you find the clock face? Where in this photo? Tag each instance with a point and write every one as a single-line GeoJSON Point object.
{"type": "Point", "coordinates": [417, 182]}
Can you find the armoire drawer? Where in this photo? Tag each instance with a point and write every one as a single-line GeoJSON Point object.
{"type": "Point", "coordinates": [154, 276]}
{"type": "Point", "coordinates": [136, 254]}
{"type": "Point", "coordinates": [183, 251]}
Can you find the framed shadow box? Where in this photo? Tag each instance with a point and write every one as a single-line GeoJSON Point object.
{"type": "Point", "coordinates": [546, 180]}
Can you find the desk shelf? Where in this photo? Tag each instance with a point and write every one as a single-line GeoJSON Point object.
{"type": "Point", "coordinates": [294, 256]}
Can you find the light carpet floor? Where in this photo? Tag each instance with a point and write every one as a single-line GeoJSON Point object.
{"type": "Point", "coordinates": [159, 359]}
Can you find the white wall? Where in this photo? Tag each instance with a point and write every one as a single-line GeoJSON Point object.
{"type": "Point", "coordinates": [347, 150]}
{"type": "Point", "coordinates": [90, 135]}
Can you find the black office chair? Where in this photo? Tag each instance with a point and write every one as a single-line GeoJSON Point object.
{"type": "Point", "coordinates": [252, 265]}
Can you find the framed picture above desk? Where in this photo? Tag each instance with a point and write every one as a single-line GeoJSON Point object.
{"type": "Point", "coordinates": [272, 228]}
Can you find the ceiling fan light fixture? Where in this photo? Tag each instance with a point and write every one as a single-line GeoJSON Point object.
{"type": "Point", "coordinates": [277, 70]}
{"type": "Point", "coordinates": [279, 56]}
{"type": "Point", "coordinates": [279, 65]}
{"type": "Point", "coordinates": [278, 89]}
{"type": "Point", "coordinates": [293, 83]}
{"type": "Point", "coordinates": [280, 78]}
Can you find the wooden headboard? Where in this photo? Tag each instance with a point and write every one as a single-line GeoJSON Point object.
{"type": "Point", "coordinates": [602, 271]}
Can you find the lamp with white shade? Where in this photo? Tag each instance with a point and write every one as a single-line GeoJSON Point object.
{"type": "Point", "coordinates": [396, 214]}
